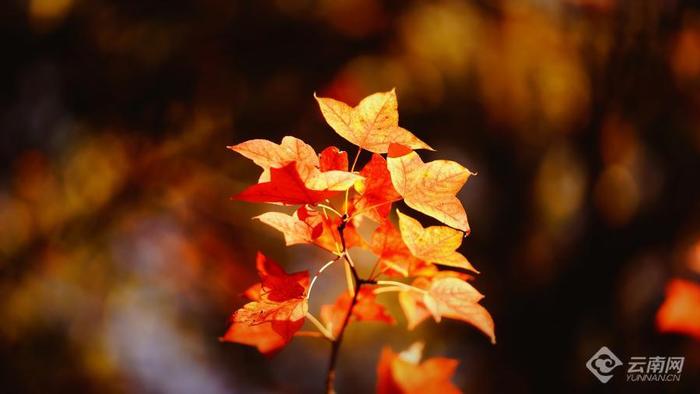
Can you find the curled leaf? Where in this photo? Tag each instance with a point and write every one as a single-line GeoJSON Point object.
{"type": "Point", "coordinates": [446, 296]}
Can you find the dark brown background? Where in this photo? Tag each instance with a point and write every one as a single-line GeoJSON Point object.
{"type": "Point", "coordinates": [122, 257]}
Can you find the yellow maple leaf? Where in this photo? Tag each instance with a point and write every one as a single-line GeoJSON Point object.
{"type": "Point", "coordinates": [295, 231]}
{"type": "Point", "coordinates": [434, 244]}
{"type": "Point", "coordinates": [268, 155]}
{"type": "Point", "coordinates": [431, 187]}
{"type": "Point", "coordinates": [446, 296]}
{"type": "Point", "coordinates": [372, 125]}
{"type": "Point", "coordinates": [456, 299]}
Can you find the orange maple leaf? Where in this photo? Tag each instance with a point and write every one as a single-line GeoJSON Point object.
{"type": "Point", "coordinates": [429, 188]}
{"type": "Point", "coordinates": [434, 244]}
{"type": "Point", "coordinates": [680, 312]}
{"type": "Point", "coordinates": [295, 231]}
{"type": "Point", "coordinates": [395, 259]}
{"type": "Point", "coordinates": [446, 295]}
{"type": "Point", "coordinates": [276, 312]}
{"type": "Point", "coordinates": [404, 373]}
{"type": "Point", "coordinates": [372, 125]}
{"type": "Point", "coordinates": [268, 155]}
{"type": "Point", "coordinates": [366, 309]}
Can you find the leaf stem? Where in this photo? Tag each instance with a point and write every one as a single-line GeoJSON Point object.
{"type": "Point", "coordinates": [357, 156]}
{"type": "Point", "coordinates": [401, 285]}
{"type": "Point", "coordinates": [318, 273]}
{"type": "Point", "coordinates": [321, 328]}
{"type": "Point", "coordinates": [374, 268]}
{"type": "Point", "coordinates": [388, 289]}
{"type": "Point", "coordinates": [312, 334]}
{"type": "Point", "coordinates": [330, 208]}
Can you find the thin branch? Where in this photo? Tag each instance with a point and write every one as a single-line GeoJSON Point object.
{"type": "Point", "coordinates": [335, 344]}
{"type": "Point", "coordinates": [319, 272]}
{"type": "Point", "coordinates": [341, 234]}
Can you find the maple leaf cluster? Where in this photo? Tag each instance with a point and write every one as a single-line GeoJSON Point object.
{"type": "Point", "coordinates": [333, 200]}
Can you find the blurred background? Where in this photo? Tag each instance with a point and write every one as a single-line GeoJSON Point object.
{"type": "Point", "coordinates": [121, 256]}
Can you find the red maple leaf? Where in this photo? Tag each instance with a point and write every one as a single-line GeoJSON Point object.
{"type": "Point", "coordinates": [680, 312]}
{"type": "Point", "coordinates": [276, 312]}
{"type": "Point", "coordinates": [377, 191]}
{"type": "Point", "coordinates": [285, 186]}
{"type": "Point", "coordinates": [333, 158]}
